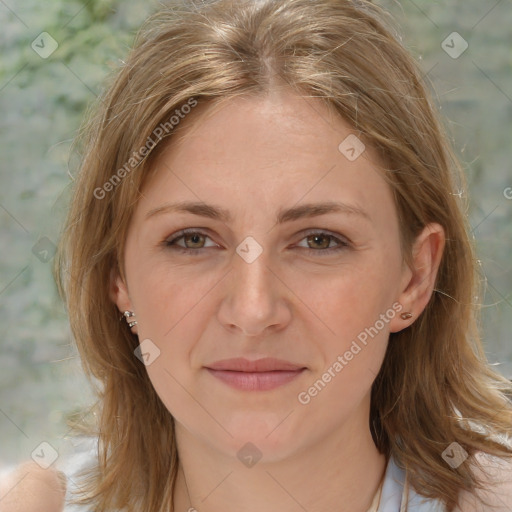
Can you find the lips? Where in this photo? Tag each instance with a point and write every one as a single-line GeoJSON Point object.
{"type": "Point", "coordinates": [267, 364]}
{"type": "Point", "coordinates": [260, 375]}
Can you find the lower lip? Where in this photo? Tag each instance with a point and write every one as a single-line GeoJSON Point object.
{"type": "Point", "coordinates": [256, 381]}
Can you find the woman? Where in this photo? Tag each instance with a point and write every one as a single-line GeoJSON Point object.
{"type": "Point", "coordinates": [268, 271]}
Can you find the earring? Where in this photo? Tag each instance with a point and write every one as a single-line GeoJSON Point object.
{"type": "Point", "coordinates": [128, 315]}
{"type": "Point", "coordinates": [405, 316]}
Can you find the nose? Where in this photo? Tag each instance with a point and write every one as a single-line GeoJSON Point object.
{"type": "Point", "coordinates": [255, 297]}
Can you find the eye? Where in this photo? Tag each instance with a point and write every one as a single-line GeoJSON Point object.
{"type": "Point", "coordinates": [319, 242]}
{"type": "Point", "coordinates": [194, 241]}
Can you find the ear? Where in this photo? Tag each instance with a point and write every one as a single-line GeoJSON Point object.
{"type": "Point", "coordinates": [418, 282]}
{"type": "Point", "coordinates": [118, 291]}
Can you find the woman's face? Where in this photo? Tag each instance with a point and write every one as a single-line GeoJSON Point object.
{"type": "Point", "coordinates": [267, 273]}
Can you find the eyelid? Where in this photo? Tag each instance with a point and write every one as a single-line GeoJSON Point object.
{"type": "Point", "coordinates": [187, 231]}
{"type": "Point", "coordinates": [319, 231]}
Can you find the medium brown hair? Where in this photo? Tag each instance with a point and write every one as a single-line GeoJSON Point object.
{"type": "Point", "coordinates": [435, 383]}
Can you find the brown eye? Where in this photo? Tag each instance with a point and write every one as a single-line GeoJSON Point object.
{"type": "Point", "coordinates": [320, 243]}
{"type": "Point", "coordinates": [195, 239]}
{"type": "Point", "coordinates": [189, 241]}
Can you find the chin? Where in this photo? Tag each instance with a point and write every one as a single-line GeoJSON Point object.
{"type": "Point", "coordinates": [267, 435]}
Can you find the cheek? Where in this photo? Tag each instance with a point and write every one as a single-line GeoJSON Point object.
{"type": "Point", "coordinates": [355, 313]}
{"type": "Point", "coordinates": [173, 311]}
{"type": "Point", "coordinates": [353, 297]}
{"type": "Point", "coordinates": [350, 326]}
{"type": "Point", "coordinates": [165, 298]}
{"type": "Point", "coordinates": [341, 391]}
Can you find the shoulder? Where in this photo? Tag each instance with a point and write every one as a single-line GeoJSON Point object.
{"type": "Point", "coordinates": [32, 489]}
{"type": "Point", "coordinates": [496, 476]}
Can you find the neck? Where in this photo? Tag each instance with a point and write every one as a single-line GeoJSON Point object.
{"type": "Point", "coordinates": [340, 472]}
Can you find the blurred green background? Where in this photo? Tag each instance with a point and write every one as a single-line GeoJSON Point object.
{"type": "Point", "coordinates": [43, 99]}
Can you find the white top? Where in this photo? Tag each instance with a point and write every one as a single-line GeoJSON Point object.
{"type": "Point", "coordinates": [394, 495]}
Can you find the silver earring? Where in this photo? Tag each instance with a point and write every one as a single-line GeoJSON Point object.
{"type": "Point", "coordinates": [128, 315]}
{"type": "Point", "coordinates": [405, 316]}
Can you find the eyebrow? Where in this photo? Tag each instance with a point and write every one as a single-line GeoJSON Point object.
{"type": "Point", "coordinates": [284, 215]}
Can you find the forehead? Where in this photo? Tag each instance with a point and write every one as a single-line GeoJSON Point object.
{"type": "Point", "coordinates": [262, 150]}
{"type": "Point", "coordinates": [277, 120]}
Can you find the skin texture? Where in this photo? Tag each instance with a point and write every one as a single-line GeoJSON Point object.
{"type": "Point", "coordinates": [496, 476]}
{"type": "Point", "coordinates": [253, 157]}
{"type": "Point", "coordinates": [32, 489]}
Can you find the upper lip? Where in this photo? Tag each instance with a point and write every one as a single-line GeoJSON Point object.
{"type": "Point", "coordinates": [266, 364]}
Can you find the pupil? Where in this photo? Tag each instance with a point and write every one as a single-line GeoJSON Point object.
{"type": "Point", "coordinates": [316, 238]}
{"type": "Point", "coordinates": [195, 239]}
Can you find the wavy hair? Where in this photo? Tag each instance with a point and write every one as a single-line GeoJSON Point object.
{"type": "Point", "coordinates": [435, 383]}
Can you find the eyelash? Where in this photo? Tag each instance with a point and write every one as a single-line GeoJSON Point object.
{"type": "Point", "coordinates": [171, 243]}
